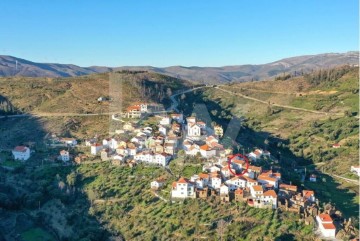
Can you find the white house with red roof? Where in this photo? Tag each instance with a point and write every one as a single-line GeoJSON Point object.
{"type": "Point", "coordinates": [326, 225]}
{"type": "Point", "coordinates": [270, 198]}
{"type": "Point", "coordinates": [206, 151]}
{"type": "Point", "coordinates": [236, 182]}
{"type": "Point", "coordinates": [193, 130]}
{"type": "Point", "coordinates": [268, 179]}
{"type": "Point", "coordinates": [96, 148]}
{"type": "Point", "coordinates": [64, 156]}
{"type": "Point", "coordinates": [309, 195]}
{"type": "Point", "coordinates": [215, 180]}
{"type": "Point", "coordinates": [256, 191]}
{"type": "Point", "coordinates": [201, 181]}
{"type": "Point", "coordinates": [183, 188]}
{"type": "Point", "coordinates": [258, 153]}
{"type": "Point", "coordinates": [156, 184]}
{"type": "Point", "coordinates": [21, 153]}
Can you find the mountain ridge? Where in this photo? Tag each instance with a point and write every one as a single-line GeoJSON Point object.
{"type": "Point", "coordinates": [13, 66]}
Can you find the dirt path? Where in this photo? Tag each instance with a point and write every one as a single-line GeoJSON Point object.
{"type": "Point", "coordinates": [282, 106]}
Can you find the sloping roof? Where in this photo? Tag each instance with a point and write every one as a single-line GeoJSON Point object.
{"type": "Point", "coordinates": [325, 217]}
{"type": "Point", "coordinates": [204, 175]}
{"type": "Point", "coordinates": [255, 168]}
{"type": "Point", "coordinates": [258, 188]}
{"type": "Point", "coordinates": [267, 178]}
{"type": "Point", "coordinates": [183, 180]}
{"type": "Point", "coordinates": [271, 193]}
{"type": "Point", "coordinates": [308, 193]}
{"type": "Point", "coordinates": [288, 187]}
{"type": "Point", "coordinates": [20, 149]}
{"type": "Point", "coordinates": [205, 148]}
{"type": "Point", "coordinates": [239, 191]}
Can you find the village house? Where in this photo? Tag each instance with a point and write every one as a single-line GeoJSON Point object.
{"type": "Point", "coordinates": [206, 151]}
{"type": "Point", "coordinates": [165, 121]}
{"type": "Point", "coordinates": [133, 112]}
{"type": "Point", "coordinates": [257, 154]}
{"type": "Point", "coordinates": [64, 156]}
{"type": "Point", "coordinates": [89, 142]}
{"type": "Point", "coordinates": [312, 178]}
{"type": "Point", "coordinates": [162, 130]}
{"type": "Point", "coordinates": [96, 148]}
{"type": "Point", "coordinates": [253, 171]}
{"type": "Point", "coordinates": [21, 153]}
{"type": "Point", "coordinates": [105, 154]}
{"type": "Point", "coordinates": [81, 158]}
{"type": "Point", "coordinates": [269, 179]}
{"type": "Point", "coordinates": [162, 159]}
{"type": "Point", "coordinates": [143, 106]}
{"type": "Point", "coordinates": [215, 180]}
{"type": "Point", "coordinates": [183, 188]}
{"type": "Point", "coordinates": [132, 150]}
{"type": "Point", "coordinates": [326, 225]}
{"type": "Point", "coordinates": [201, 181]}
{"type": "Point", "coordinates": [179, 118]}
{"type": "Point", "coordinates": [287, 191]}
{"type": "Point", "coordinates": [336, 145]}
{"type": "Point", "coordinates": [236, 182]}
{"type": "Point", "coordinates": [270, 198]}
{"type": "Point", "coordinates": [157, 184]}
{"type": "Point", "coordinates": [69, 141]}
{"type": "Point", "coordinates": [309, 195]}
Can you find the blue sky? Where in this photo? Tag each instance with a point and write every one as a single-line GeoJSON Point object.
{"type": "Point", "coordinates": [164, 33]}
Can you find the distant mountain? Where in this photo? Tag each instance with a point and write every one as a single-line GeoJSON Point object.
{"type": "Point", "coordinates": [236, 73]}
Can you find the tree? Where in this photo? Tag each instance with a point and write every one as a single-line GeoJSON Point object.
{"type": "Point", "coordinates": [61, 185]}
{"type": "Point", "coordinates": [92, 195]}
{"type": "Point", "coordinates": [71, 179]}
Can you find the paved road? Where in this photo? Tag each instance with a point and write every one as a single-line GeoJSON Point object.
{"type": "Point", "coordinates": [344, 178]}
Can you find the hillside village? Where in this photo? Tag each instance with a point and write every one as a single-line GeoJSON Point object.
{"type": "Point", "coordinates": [225, 176]}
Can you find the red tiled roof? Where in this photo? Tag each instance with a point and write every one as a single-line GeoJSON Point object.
{"type": "Point", "coordinates": [288, 187]}
{"type": "Point", "coordinates": [20, 148]}
{"type": "Point", "coordinates": [239, 191]}
{"type": "Point", "coordinates": [205, 147]}
{"type": "Point", "coordinates": [266, 178]}
{"type": "Point", "coordinates": [308, 193]}
{"type": "Point", "coordinates": [203, 175]}
{"type": "Point", "coordinates": [271, 193]}
{"type": "Point", "coordinates": [257, 188]}
{"type": "Point", "coordinates": [183, 180]}
{"type": "Point", "coordinates": [130, 108]}
{"type": "Point", "coordinates": [255, 168]}
{"type": "Point", "coordinates": [325, 217]}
